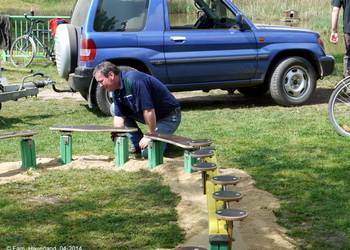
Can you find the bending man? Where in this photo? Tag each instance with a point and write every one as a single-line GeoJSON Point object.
{"type": "Point", "coordinates": [139, 97]}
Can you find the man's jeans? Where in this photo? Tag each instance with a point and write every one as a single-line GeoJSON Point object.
{"type": "Point", "coordinates": [166, 125]}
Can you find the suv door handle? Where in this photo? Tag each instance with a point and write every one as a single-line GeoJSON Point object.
{"type": "Point", "coordinates": [178, 38]}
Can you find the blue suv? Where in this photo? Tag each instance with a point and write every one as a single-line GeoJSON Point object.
{"type": "Point", "coordinates": [217, 47]}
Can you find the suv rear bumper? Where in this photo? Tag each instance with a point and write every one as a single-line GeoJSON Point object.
{"type": "Point", "coordinates": [327, 65]}
{"type": "Point", "coordinates": [80, 80]}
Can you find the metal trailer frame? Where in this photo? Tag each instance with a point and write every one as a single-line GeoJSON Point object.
{"type": "Point", "coordinates": [12, 92]}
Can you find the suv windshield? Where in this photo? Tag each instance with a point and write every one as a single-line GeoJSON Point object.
{"type": "Point", "coordinates": [80, 12]}
{"type": "Point", "coordinates": [120, 15]}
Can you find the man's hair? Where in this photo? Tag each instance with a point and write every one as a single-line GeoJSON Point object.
{"type": "Point", "coordinates": [105, 68]}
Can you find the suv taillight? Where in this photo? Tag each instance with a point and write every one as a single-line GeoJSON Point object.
{"type": "Point", "coordinates": [321, 43]}
{"type": "Point", "coordinates": [87, 50]}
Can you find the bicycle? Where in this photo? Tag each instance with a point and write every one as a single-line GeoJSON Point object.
{"type": "Point", "coordinates": [24, 48]}
{"type": "Point", "coordinates": [339, 107]}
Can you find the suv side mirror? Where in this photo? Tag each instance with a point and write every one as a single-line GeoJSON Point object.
{"type": "Point", "coordinates": [239, 21]}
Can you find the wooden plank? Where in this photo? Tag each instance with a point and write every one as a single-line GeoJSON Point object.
{"type": "Point", "coordinates": [27, 133]}
{"type": "Point", "coordinates": [180, 141]}
{"type": "Point", "coordinates": [92, 128]}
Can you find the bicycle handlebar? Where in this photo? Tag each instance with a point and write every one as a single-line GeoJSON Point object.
{"type": "Point", "coordinates": [32, 20]}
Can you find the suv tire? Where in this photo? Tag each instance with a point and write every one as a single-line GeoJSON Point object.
{"type": "Point", "coordinates": [293, 81]}
{"type": "Point", "coordinates": [66, 49]}
{"type": "Point", "coordinates": [103, 100]}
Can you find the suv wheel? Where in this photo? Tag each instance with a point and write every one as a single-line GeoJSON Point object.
{"type": "Point", "coordinates": [66, 49]}
{"type": "Point", "coordinates": [104, 98]}
{"type": "Point", "coordinates": [293, 81]}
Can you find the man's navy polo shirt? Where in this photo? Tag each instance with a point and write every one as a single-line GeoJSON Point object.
{"type": "Point", "coordinates": [346, 16]}
{"type": "Point", "coordinates": [140, 91]}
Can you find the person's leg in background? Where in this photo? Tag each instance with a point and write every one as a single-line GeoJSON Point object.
{"type": "Point", "coordinates": [346, 65]}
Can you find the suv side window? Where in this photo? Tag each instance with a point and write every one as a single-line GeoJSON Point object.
{"type": "Point", "coordinates": [120, 15]}
{"type": "Point", "coordinates": [210, 14]}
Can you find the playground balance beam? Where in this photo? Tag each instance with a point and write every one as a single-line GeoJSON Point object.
{"type": "Point", "coordinates": [118, 136]}
{"type": "Point", "coordinates": [155, 148]}
{"type": "Point", "coordinates": [220, 215]}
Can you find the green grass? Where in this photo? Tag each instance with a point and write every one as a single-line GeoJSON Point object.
{"type": "Point", "coordinates": [89, 209]}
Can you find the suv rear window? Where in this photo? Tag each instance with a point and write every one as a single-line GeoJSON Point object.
{"type": "Point", "coordinates": [80, 12]}
{"type": "Point", "coordinates": [120, 15]}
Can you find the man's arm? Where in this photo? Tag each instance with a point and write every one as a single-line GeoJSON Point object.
{"type": "Point", "coordinates": [334, 27]}
{"type": "Point", "coordinates": [150, 119]}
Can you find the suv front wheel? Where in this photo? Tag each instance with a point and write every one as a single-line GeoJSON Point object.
{"type": "Point", "coordinates": [293, 81]}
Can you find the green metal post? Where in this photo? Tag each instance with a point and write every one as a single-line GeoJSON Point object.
{"type": "Point", "coordinates": [66, 148]}
{"type": "Point", "coordinates": [218, 246]}
{"type": "Point", "coordinates": [155, 154]}
{"type": "Point", "coordinates": [121, 150]}
{"type": "Point", "coordinates": [214, 247]}
{"type": "Point", "coordinates": [28, 153]}
{"type": "Point", "coordinates": [188, 162]}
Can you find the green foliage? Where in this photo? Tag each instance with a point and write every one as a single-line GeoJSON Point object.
{"type": "Point", "coordinates": [40, 7]}
{"type": "Point", "coordinates": [182, 6]}
{"type": "Point", "coordinates": [314, 14]}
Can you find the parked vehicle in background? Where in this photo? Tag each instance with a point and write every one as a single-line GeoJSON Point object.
{"type": "Point", "coordinates": [218, 48]}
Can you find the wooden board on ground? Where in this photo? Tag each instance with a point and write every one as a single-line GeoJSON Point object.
{"type": "Point", "coordinates": [14, 134]}
{"type": "Point", "coordinates": [92, 128]}
{"type": "Point", "coordinates": [180, 141]}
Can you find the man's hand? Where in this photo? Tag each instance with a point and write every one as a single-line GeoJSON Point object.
{"type": "Point", "coordinates": [334, 25]}
{"type": "Point", "coordinates": [334, 37]}
{"type": "Point", "coordinates": [118, 121]}
{"type": "Point", "coordinates": [144, 142]}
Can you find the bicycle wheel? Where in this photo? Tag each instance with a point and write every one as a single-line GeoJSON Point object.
{"type": "Point", "coordinates": [339, 108]}
{"type": "Point", "coordinates": [22, 51]}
